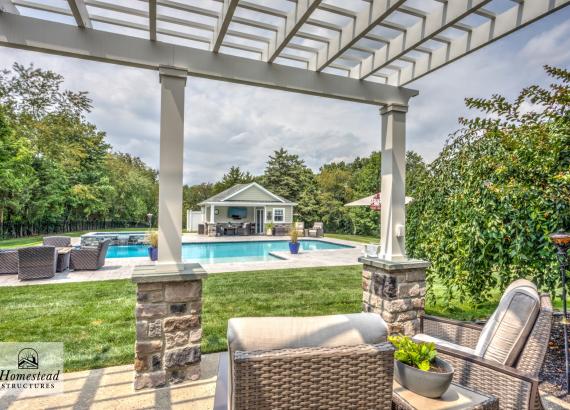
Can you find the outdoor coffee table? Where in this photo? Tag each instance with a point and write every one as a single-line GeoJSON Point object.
{"type": "Point", "coordinates": [63, 256]}
{"type": "Point", "coordinates": [456, 397]}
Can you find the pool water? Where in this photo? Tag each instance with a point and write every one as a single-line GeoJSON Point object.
{"type": "Point", "coordinates": [221, 252]}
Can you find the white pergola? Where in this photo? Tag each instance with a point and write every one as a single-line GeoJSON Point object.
{"type": "Point", "coordinates": [356, 50]}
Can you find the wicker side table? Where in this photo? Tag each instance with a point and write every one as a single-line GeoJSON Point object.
{"type": "Point", "coordinates": [63, 257]}
{"type": "Point", "coordinates": [456, 397]}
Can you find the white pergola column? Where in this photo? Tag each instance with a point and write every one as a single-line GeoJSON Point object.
{"type": "Point", "coordinates": [173, 82]}
{"type": "Point", "coordinates": [212, 214]}
{"type": "Point", "coordinates": [393, 183]}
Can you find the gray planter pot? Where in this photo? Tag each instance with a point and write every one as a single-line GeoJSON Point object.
{"type": "Point", "coordinates": [428, 384]}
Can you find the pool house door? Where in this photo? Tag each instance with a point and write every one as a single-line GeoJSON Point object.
{"type": "Point", "coordinates": [259, 218]}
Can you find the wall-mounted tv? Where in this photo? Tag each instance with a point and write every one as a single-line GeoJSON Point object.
{"type": "Point", "coordinates": [235, 212]}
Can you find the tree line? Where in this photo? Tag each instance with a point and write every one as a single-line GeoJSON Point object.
{"type": "Point", "coordinates": [56, 167]}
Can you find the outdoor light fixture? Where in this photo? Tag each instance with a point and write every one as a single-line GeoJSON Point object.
{"type": "Point", "coordinates": [562, 242]}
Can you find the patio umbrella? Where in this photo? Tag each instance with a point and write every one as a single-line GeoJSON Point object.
{"type": "Point", "coordinates": [368, 201]}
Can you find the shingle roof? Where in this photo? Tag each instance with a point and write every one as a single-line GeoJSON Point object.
{"type": "Point", "coordinates": [219, 197]}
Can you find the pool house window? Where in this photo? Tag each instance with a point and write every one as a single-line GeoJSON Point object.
{"type": "Point", "coordinates": [278, 214]}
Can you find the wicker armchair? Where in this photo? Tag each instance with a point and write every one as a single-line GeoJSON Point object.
{"type": "Point", "coordinates": [281, 230]}
{"type": "Point", "coordinates": [9, 261]}
{"type": "Point", "coordinates": [37, 262]}
{"type": "Point", "coordinates": [515, 386]}
{"type": "Point", "coordinates": [57, 241]}
{"type": "Point", "coordinates": [326, 362]}
{"type": "Point", "coordinates": [317, 230]}
{"type": "Point", "coordinates": [89, 258]}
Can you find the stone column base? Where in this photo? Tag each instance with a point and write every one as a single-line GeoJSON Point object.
{"type": "Point", "coordinates": [395, 290]}
{"type": "Point", "coordinates": [168, 324]}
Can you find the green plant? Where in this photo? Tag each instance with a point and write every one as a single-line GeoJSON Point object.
{"type": "Point", "coordinates": [269, 226]}
{"type": "Point", "coordinates": [153, 239]}
{"type": "Point", "coordinates": [294, 234]}
{"type": "Point", "coordinates": [419, 355]}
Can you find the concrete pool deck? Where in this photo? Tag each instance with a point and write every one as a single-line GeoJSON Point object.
{"type": "Point", "coordinates": [117, 268]}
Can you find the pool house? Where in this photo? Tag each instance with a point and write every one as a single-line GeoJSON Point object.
{"type": "Point", "coordinates": [244, 209]}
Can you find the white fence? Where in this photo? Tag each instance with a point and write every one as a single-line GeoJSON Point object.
{"type": "Point", "coordinates": [193, 218]}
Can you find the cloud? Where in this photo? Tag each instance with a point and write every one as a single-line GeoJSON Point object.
{"type": "Point", "coordinates": [229, 124]}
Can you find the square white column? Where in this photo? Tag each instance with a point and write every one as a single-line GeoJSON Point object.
{"type": "Point", "coordinates": [393, 183]}
{"type": "Point", "coordinates": [173, 82]}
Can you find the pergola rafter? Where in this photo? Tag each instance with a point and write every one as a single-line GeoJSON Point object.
{"type": "Point", "coordinates": [228, 9]}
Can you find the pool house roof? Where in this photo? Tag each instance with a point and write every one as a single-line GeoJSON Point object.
{"type": "Point", "coordinates": [238, 194]}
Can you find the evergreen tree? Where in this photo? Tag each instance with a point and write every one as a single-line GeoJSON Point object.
{"type": "Point", "coordinates": [287, 175]}
{"type": "Point", "coordinates": [233, 177]}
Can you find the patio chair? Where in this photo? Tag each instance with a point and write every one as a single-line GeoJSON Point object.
{"type": "Point", "coordinates": [281, 230]}
{"type": "Point", "coordinates": [317, 230]}
{"type": "Point", "coordinates": [504, 357]}
{"type": "Point", "coordinates": [57, 241]}
{"type": "Point", "coordinates": [300, 228]}
{"type": "Point", "coordinates": [9, 261]}
{"type": "Point", "coordinates": [37, 262]}
{"type": "Point", "coordinates": [89, 257]}
{"type": "Point", "coordinates": [325, 362]}
{"type": "Point", "coordinates": [244, 229]}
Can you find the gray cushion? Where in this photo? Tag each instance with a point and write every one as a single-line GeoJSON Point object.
{"type": "Point", "coordinates": [422, 337]}
{"type": "Point", "coordinates": [505, 334]}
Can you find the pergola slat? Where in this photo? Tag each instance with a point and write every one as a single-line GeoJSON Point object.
{"type": "Point", "coordinates": [503, 24]}
{"type": "Point", "coordinates": [291, 26]}
{"type": "Point", "coordinates": [152, 19]}
{"type": "Point", "coordinates": [224, 21]}
{"type": "Point", "coordinates": [80, 13]}
{"type": "Point", "coordinates": [433, 24]}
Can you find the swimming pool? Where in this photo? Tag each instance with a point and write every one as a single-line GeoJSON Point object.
{"type": "Point", "coordinates": [221, 252]}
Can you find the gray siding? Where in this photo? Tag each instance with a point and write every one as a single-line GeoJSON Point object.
{"type": "Point", "coordinates": [253, 194]}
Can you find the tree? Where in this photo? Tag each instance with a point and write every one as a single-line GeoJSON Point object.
{"type": "Point", "coordinates": [501, 185]}
{"type": "Point", "coordinates": [286, 175]}
{"type": "Point", "coordinates": [233, 177]}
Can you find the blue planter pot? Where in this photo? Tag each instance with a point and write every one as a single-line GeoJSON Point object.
{"type": "Point", "coordinates": [294, 247]}
{"type": "Point", "coordinates": [153, 253]}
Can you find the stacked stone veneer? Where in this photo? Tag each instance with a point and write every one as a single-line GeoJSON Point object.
{"type": "Point", "coordinates": [396, 291]}
{"type": "Point", "coordinates": [168, 333]}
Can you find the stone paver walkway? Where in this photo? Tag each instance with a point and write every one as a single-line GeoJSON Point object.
{"type": "Point", "coordinates": [112, 388]}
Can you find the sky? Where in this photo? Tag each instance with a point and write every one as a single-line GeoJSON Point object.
{"type": "Point", "coordinates": [236, 125]}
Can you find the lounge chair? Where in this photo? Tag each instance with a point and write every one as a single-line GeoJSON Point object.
{"type": "Point", "coordinates": [317, 230]}
{"type": "Point", "coordinates": [325, 362]}
{"type": "Point", "coordinates": [57, 241]}
{"type": "Point", "coordinates": [9, 261]}
{"type": "Point", "coordinates": [37, 262]}
{"type": "Point", "coordinates": [89, 257]}
{"type": "Point", "coordinates": [504, 357]}
{"type": "Point", "coordinates": [300, 228]}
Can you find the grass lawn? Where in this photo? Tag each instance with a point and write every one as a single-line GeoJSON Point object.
{"type": "Point", "coordinates": [355, 238]}
{"type": "Point", "coordinates": [95, 320]}
{"type": "Point", "coordinates": [37, 240]}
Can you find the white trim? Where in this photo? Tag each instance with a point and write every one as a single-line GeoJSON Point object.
{"type": "Point", "coordinates": [273, 215]}
{"type": "Point", "coordinates": [238, 203]}
{"type": "Point", "coordinates": [249, 186]}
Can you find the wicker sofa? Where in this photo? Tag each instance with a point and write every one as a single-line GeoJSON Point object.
{"type": "Point", "coordinates": [37, 262]}
{"type": "Point", "coordinates": [509, 374]}
{"type": "Point", "coordinates": [57, 241]}
{"type": "Point", "coordinates": [325, 362]}
{"type": "Point", "coordinates": [9, 261]}
{"type": "Point", "coordinates": [89, 257]}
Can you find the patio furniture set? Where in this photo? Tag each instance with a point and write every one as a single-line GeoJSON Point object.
{"type": "Point", "coordinates": [55, 255]}
{"type": "Point", "coordinates": [248, 228]}
{"type": "Point", "coordinates": [345, 361]}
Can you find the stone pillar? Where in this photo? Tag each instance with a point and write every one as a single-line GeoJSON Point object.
{"type": "Point", "coordinates": [168, 326]}
{"type": "Point", "coordinates": [395, 290]}
{"type": "Point", "coordinates": [172, 83]}
{"type": "Point", "coordinates": [393, 183]}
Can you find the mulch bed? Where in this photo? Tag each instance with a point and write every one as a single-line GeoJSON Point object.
{"type": "Point", "coordinates": [553, 373]}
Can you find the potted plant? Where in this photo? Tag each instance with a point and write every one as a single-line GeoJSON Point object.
{"type": "Point", "coordinates": [269, 229]}
{"type": "Point", "coordinates": [153, 248]}
{"type": "Point", "coordinates": [417, 367]}
{"type": "Point", "coordinates": [294, 242]}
